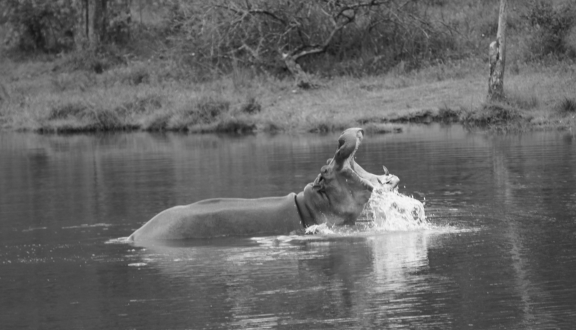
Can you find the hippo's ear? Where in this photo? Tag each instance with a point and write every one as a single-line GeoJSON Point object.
{"type": "Point", "coordinates": [348, 143]}
{"type": "Point", "coordinates": [386, 172]}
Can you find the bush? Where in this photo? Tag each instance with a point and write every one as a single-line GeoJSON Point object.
{"type": "Point", "coordinates": [227, 34]}
{"type": "Point", "coordinates": [251, 106]}
{"type": "Point", "coordinates": [566, 106]}
{"type": "Point", "coordinates": [66, 110]}
{"type": "Point", "coordinates": [203, 112]}
{"type": "Point", "coordinates": [492, 114]}
{"type": "Point", "coordinates": [550, 29]}
{"type": "Point", "coordinates": [135, 75]}
{"type": "Point", "coordinates": [95, 60]}
{"type": "Point", "coordinates": [41, 25]}
{"type": "Point", "coordinates": [50, 26]}
{"type": "Point", "coordinates": [208, 109]}
{"type": "Point", "coordinates": [77, 116]}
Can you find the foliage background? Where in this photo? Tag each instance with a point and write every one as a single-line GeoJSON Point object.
{"type": "Point", "coordinates": [200, 66]}
{"type": "Point", "coordinates": [220, 35]}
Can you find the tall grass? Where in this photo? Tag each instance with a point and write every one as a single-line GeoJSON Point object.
{"type": "Point", "coordinates": [241, 101]}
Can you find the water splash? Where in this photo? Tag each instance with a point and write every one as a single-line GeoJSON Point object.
{"type": "Point", "coordinates": [385, 211]}
{"type": "Point", "coordinates": [392, 211]}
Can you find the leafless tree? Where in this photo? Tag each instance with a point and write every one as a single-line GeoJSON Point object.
{"type": "Point", "coordinates": [498, 57]}
{"type": "Point", "coordinates": [94, 20]}
{"type": "Point", "coordinates": [262, 32]}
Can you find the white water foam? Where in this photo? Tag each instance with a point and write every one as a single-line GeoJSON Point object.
{"type": "Point", "coordinates": [83, 226]}
{"type": "Point", "coordinates": [385, 211]}
{"type": "Point", "coordinates": [392, 211]}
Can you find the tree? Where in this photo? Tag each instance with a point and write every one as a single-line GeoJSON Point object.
{"type": "Point", "coordinates": [297, 31]}
{"type": "Point", "coordinates": [90, 28]}
{"type": "Point", "coordinates": [498, 57]}
{"type": "Point", "coordinates": [285, 33]}
{"type": "Point", "coordinates": [99, 21]}
{"type": "Point", "coordinates": [55, 26]}
{"type": "Point", "coordinates": [40, 24]}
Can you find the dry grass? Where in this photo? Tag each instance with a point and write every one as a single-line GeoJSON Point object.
{"type": "Point", "coordinates": [154, 96]}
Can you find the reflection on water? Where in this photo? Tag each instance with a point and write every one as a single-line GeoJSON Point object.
{"type": "Point", "coordinates": [500, 251]}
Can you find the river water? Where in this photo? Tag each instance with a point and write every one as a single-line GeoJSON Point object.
{"type": "Point", "coordinates": [500, 254]}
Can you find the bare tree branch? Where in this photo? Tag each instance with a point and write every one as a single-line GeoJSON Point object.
{"type": "Point", "coordinates": [249, 11]}
{"type": "Point", "coordinates": [265, 32]}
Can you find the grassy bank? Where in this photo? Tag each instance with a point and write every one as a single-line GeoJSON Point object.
{"type": "Point", "coordinates": [180, 69]}
{"type": "Point", "coordinates": [38, 95]}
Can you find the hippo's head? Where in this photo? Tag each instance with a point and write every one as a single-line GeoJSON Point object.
{"type": "Point", "coordinates": [338, 194]}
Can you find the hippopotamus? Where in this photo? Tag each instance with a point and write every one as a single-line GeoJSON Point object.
{"type": "Point", "coordinates": [335, 198]}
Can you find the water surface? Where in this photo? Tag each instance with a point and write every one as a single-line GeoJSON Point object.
{"type": "Point", "coordinates": [501, 255]}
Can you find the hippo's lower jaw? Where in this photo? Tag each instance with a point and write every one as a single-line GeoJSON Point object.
{"type": "Point", "coordinates": [336, 197]}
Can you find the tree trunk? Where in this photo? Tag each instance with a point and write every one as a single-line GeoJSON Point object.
{"type": "Point", "coordinates": [91, 25]}
{"type": "Point", "coordinates": [498, 57]}
{"type": "Point", "coordinates": [96, 22]}
{"type": "Point", "coordinates": [81, 31]}
{"type": "Point", "coordinates": [303, 80]}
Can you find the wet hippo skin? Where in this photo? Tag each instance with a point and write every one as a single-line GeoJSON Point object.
{"type": "Point", "coordinates": [336, 197]}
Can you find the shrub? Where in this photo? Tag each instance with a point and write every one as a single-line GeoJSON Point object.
{"type": "Point", "coordinates": [492, 114]}
{"type": "Point", "coordinates": [41, 25]}
{"type": "Point", "coordinates": [235, 125]}
{"type": "Point", "coordinates": [95, 60]}
{"type": "Point", "coordinates": [209, 108]}
{"type": "Point", "coordinates": [137, 75]}
{"type": "Point", "coordinates": [141, 104]}
{"type": "Point", "coordinates": [566, 106]}
{"type": "Point", "coordinates": [551, 27]}
{"type": "Point", "coordinates": [50, 26]}
{"type": "Point", "coordinates": [77, 116]}
{"type": "Point", "coordinates": [202, 112]}
{"type": "Point", "coordinates": [226, 34]}
{"type": "Point", "coordinates": [446, 114]}
{"type": "Point", "coordinates": [251, 106]}
{"type": "Point", "coordinates": [66, 110]}
{"type": "Point", "coordinates": [157, 121]}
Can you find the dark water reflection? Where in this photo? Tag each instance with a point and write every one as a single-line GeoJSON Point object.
{"type": "Point", "coordinates": [503, 254]}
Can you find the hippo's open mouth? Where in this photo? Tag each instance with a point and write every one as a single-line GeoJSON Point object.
{"type": "Point", "coordinates": [387, 181]}
{"type": "Point", "coordinates": [343, 162]}
{"type": "Point", "coordinates": [339, 193]}
{"type": "Point", "coordinates": [318, 181]}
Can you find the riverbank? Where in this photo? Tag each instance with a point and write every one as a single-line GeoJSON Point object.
{"type": "Point", "coordinates": [49, 95]}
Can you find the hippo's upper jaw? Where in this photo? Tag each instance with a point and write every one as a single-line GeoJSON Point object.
{"type": "Point", "coordinates": [340, 191]}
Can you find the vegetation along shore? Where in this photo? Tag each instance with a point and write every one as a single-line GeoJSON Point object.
{"type": "Point", "coordinates": [220, 66]}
